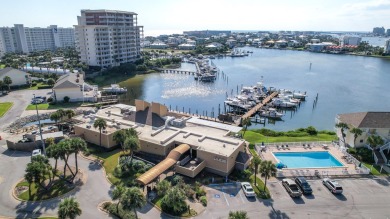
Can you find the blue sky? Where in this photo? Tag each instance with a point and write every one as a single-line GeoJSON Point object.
{"type": "Point", "coordinates": [167, 16]}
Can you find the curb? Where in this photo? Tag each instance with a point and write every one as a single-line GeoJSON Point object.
{"type": "Point", "coordinates": [40, 201]}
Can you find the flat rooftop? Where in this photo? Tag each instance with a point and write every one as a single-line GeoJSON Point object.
{"type": "Point", "coordinates": [204, 135]}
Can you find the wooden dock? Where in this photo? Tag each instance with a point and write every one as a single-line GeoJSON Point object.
{"type": "Point", "coordinates": [259, 105]}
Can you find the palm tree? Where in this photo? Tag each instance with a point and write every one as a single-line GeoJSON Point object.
{"type": "Point", "coordinates": [64, 150]}
{"type": "Point", "coordinates": [69, 208]}
{"type": "Point", "coordinates": [70, 113]}
{"type": "Point", "coordinates": [29, 177]}
{"type": "Point", "coordinates": [374, 141]}
{"type": "Point", "coordinates": [77, 145]}
{"type": "Point", "coordinates": [162, 187]}
{"type": "Point", "coordinates": [256, 161]}
{"type": "Point", "coordinates": [53, 152]}
{"type": "Point", "coordinates": [267, 169]}
{"type": "Point", "coordinates": [342, 126]}
{"type": "Point", "coordinates": [131, 143]}
{"type": "Point", "coordinates": [356, 133]}
{"type": "Point", "coordinates": [7, 81]}
{"type": "Point", "coordinates": [133, 199]}
{"type": "Point", "coordinates": [119, 136]}
{"type": "Point", "coordinates": [132, 132]}
{"type": "Point", "coordinates": [55, 117]}
{"type": "Point", "coordinates": [117, 194]}
{"type": "Point", "coordinates": [61, 113]}
{"type": "Point", "coordinates": [100, 124]}
{"type": "Point", "coordinates": [238, 215]}
{"type": "Point", "coordinates": [245, 123]}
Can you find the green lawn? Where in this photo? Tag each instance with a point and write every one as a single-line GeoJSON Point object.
{"type": "Point", "coordinates": [36, 86]}
{"type": "Point", "coordinates": [4, 107]}
{"type": "Point", "coordinates": [47, 106]}
{"type": "Point", "coordinates": [375, 170]}
{"type": "Point", "coordinates": [2, 66]}
{"type": "Point", "coordinates": [259, 188]}
{"type": "Point", "coordinates": [254, 137]}
{"type": "Point", "coordinates": [56, 190]}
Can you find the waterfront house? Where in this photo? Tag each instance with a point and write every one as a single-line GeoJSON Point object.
{"type": "Point", "coordinates": [18, 77]}
{"type": "Point", "coordinates": [71, 85]}
{"type": "Point", "coordinates": [188, 143]}
{"type": "Point", "coordinates": [186, 46]}
{"type": "Point", "coordinates": [158, 45]}
{"type": "Point", "coordinates": [371, 123]}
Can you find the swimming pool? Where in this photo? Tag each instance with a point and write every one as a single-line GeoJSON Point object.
{"type": "Point", "coordinates": [315, 159]}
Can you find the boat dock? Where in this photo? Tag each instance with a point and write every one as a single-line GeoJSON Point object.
{"type": "Point", "coordinates": [177, 71]}
{"type": "Point", "coordinates": [259, 105]}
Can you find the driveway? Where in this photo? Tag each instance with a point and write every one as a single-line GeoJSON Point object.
{"type": "Point", "coordinates": [21, 99]}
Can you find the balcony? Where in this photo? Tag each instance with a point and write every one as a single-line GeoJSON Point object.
{"type": "Point", "coordinates": [190, 167]}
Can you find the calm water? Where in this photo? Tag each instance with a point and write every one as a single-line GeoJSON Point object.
{"type": "Point", "coordinates": [376, 41]}
{"type": "Point", "coordinates": [344, 84]}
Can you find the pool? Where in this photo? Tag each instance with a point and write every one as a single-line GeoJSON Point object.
{"type": "Point", "coordinates": [315, 159]}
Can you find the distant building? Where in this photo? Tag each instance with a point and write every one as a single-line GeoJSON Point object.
{"type": "Point", "coordinates": [378, 31]}
{"type": "Point", "coordinates": [22, 39]}
{"type": "Point", "coordinates": [108, 37]}
{"type": "Point", "coordinates": [318, 47]}
{"type": "Point", "coordinates": [351, 40]}
{"type": "Point", "coordinates": [158, 45]}
{"type": "Point", "coordinates": [186, 46]}
{"type": "Point", "coordinates": [388, 32]}
{"type": "Point", "coordinates": [207, 33]}
{"type": "Point", "coordinates": [18, 77]}
{"type": "Point", "coordinates": [387, 47]}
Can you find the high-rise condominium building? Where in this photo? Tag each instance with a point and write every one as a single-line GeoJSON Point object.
{"type": "Point", "coordinates": [22, 39]}
{"type": "Point", "coordinates": [107, 37]}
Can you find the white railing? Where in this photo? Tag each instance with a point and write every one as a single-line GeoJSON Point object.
{"type": "Point", "coordinates": [296, 144]}
{"type": "Point", "coordinates": [385, 146]}
{"type": "Point", "coordinates": [375, 158]}
{"type": "Point", "coordinates": [383, 156]}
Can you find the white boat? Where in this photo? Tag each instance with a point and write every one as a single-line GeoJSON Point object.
{"type": "Point", "coordinates": [271, 113]}
{"type": "Point", "coordinates": [114, 89]}
{"type": "Point", "coordinates": [297, 95]}
{"type": "Point", "coordinates": [236, 103]}
{"type": "Point", "coordinates": [281, 103]}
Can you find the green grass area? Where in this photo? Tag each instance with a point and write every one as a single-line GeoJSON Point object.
{"type": "Point", "coordinates": [58, 188]}
{"type": "Point", "coordinates": [47, 106]}
{"type": "Point", "coordinates": [4, 107]}
{"type": "Point", "coordinates": [375, 170]}
{"type": "Point", "coordinates": [259, 188]}
{"type": "Point", "coordinates": [106, 80]}
{"type": "Point", "coordinates": [254, 137]}
{"type": "Point", "coordinates": [36, 86]}
{"type": "Point", "coordinates": [2, 66]}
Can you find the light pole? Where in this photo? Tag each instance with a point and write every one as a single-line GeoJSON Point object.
{"type": "Point", "coordinates": [40, 129]}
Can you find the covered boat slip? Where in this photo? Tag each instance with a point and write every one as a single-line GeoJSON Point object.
{"type": "Point", "coordinates": [164, 165]}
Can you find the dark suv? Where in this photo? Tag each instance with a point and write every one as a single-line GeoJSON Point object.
{"type": "Point", "coordinates": [303, 185]}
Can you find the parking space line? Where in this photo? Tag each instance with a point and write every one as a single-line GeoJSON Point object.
{"type": "Point", "coordinates": [225, 197]}
{"type": "Point", "coordinates": [239, 192]}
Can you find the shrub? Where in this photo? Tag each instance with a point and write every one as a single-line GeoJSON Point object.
{"type": "Point", "coordinates": [174, 201]}
{"type": "Point", "coordinates": [177, 179]}
{"type": "Point", "coordinates": [365, 155]}
{"type": "Point", "coordinates": [33, 84]}
{"type": "Point", "coordinates": [44, 87]}
{"type": "Point", "coordinates": [121, 214]}
{"type": "Point", "coordinates": [311, 130]}
{"type": "Point", "coordinates": [203, 200]}
{"type": "Point", "coordinates": [200, 192]}
{"type": "Point", "coordinates": [66, 99]}
{"type": "Point", "coordinates": [269, 132]}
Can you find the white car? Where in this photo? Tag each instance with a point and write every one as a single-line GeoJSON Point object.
{"type": "Point", "coordinates": [333, 186]}
{"type": "Point", "coordinates": [248, 190]}
{"type": "Point", "coordinates": [36, 152]}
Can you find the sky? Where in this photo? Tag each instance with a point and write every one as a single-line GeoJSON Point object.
{"type": "Point", "coordinates": [176, 16]}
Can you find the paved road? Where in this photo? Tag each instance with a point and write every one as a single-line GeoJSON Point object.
{"type": "Point", "coordinates": [21, 100]}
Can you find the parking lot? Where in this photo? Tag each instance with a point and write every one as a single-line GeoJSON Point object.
{"type": "Point", "coordinates": [361, 198]}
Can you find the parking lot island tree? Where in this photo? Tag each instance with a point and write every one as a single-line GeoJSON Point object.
{"type": "Point", "coordinates": [133, 199]}
{"type": "Point", "coordinates": [69, 208]}
{"type": "Point", "coordinates": [267, 169]}
{"type": "Point", "coordinates": [256, 161]}
{"type": "Point", "coordinates": [238, 215]}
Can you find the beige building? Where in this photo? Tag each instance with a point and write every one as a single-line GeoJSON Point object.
{"type": "Point", "coordinates": [72, 85]}
{"type": "Point", "coordinates": [18, 77]}
{"type": "Point", "coordinates": [371, 123]}
{"type": "Point", "coordinates": [210, 145]}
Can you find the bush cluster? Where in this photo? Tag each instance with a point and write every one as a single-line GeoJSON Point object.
{"type": "Point", "coordinates": [301, 132]}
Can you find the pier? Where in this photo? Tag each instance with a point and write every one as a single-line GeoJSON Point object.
{"type": "Point", "coordinates": [259, 105]}
{"type": "Point", "coordinates": [176, 71]}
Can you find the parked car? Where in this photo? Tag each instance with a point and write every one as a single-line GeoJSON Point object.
{"type": "Point", "coordinates": [292, 188]}
{"type": "Point", "coordinates": [248, 190]}
{"type": "Point", "coordinates": [36, 152]}
{"type": "Point", "coordinates": [332, 185]}
{"type": "Point", "coordinates": [303, 185]}
{"type": "Point", "coordinates": [37, 101]}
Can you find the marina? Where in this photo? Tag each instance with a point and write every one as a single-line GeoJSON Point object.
{"type": "Point", "coordinates": [329, 77]}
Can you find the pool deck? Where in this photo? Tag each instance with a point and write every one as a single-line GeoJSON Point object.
{"type": "Point", "coordinates": [347, 169]}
